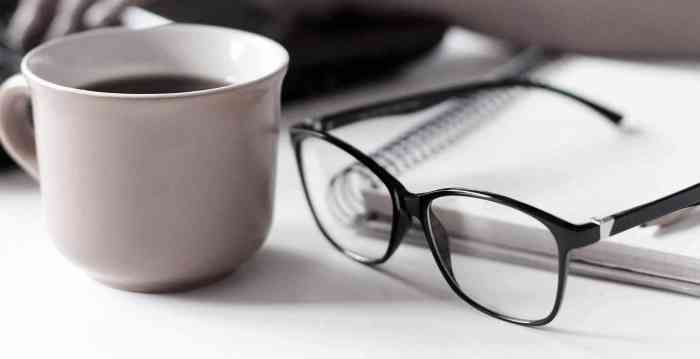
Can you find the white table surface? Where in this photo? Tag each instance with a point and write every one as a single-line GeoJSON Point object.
{"type": "Point", "coordinates": [300, 298]}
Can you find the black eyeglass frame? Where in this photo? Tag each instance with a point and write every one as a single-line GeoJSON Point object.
{"type": "Point", "coordinates": [408, 205]}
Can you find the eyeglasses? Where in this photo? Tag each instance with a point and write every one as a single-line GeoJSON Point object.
{"type": "Point", "coordinates": [351, 195]}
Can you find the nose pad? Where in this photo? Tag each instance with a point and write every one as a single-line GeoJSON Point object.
{"type": "Point", "coordinates": [442, 241]}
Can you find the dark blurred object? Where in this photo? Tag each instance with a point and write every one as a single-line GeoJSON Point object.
{"type": "Point", "coordinates": [349, 48]}
{"type": "Point", "coordinates": [329, 52]}
{"type": "Point", "coordinates": [9, 64]}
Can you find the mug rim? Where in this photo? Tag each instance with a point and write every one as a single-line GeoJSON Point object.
{"type": "Point", "coordinates": [26, 71]}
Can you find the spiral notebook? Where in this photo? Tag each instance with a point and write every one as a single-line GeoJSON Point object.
{"type": "Point", "coordinates": [575, 166]}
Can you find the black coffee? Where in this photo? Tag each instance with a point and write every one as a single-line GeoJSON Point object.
{"type": "Point", "coordinates": [154, 84]}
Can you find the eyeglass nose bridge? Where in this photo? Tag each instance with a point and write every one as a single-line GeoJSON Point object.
{"type": "Point", "coordinates": [411, 204]}
{"type": "Point", "coordinates": [409, 207]}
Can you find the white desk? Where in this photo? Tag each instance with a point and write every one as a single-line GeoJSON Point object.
{"type": "Point", "coordinates": [300, 298]}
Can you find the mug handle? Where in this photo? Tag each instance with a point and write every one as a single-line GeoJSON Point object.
{"type": "Point", "coordinates": [16, 132]}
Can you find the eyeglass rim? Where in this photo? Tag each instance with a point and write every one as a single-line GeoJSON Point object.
{"type": "Point", "coordinates": [568, 236]}
{"type": "Point", "coordinates": [392, 185]}
{"type": "Point", "coordinates": [564, 247]}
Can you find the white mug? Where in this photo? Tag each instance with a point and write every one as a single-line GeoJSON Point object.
{"type": "Point", "coordinates": [151, 192]}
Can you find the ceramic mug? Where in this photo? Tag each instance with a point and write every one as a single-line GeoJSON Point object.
{"type": "Point", "coordinates": [150, 192]}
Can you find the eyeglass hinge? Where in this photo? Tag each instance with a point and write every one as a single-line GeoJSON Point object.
{"type": "Point", "coordinates": [605, 224]}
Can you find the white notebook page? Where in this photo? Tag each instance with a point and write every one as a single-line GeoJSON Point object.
{"type": "Point", "coordinates": [564, 159]}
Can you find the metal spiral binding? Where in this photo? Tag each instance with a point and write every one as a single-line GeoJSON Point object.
{"type": "Point", "coordinates": [427, 139]}
{"type": "Point", "coordinates": [461, 116]}
{"type": "Point", "coordinates": [440, 132]}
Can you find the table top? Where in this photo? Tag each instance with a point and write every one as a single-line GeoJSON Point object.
{"type": "Point", "coordinates": [298, 297]}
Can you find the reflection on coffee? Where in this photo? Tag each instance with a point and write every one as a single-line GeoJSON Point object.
{"type": "Point", "coordinates": [154, 84]}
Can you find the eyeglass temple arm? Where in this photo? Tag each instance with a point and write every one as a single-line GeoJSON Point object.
{"type": "Point", "coordinates": [661, 211]}
{"type": "Point", "coordinates": [422, 101]}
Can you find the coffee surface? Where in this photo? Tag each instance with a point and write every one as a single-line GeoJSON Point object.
{"type": "Point", "coordinates": [154, 84]}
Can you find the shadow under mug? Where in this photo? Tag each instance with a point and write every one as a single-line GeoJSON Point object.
{"type": "Point", "coordinates": [151, 192]}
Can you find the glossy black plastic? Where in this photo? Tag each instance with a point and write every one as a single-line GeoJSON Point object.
{"type": "Point", "coordinates": [408, 205]}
